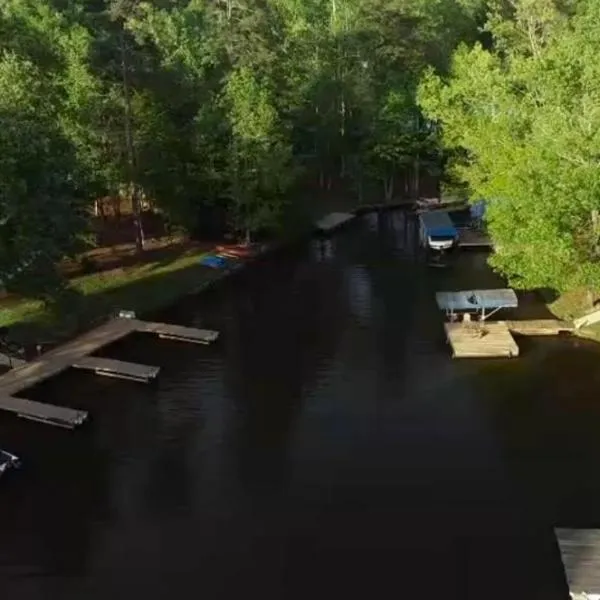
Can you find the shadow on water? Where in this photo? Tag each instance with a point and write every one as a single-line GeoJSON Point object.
{"type": "Point", "coordinates": [326, 446]}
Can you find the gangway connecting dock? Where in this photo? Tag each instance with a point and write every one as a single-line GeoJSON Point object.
{"type": "Point", "coordinates": [77, 354]}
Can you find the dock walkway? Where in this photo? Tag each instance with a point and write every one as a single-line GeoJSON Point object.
{"type": "Point", "coordinates": [580, 552]}
{"type": "Point", "coordinates": [76, 354]}
{"type": "Point", "coordinates": [540, 327]}
{"type": "Point", "coordinates": [473, 238]}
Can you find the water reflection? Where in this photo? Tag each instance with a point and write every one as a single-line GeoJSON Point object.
{"type": "Point", "coordinates": [327, 446]}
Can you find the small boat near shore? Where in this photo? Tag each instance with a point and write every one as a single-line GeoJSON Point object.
{"type": "Point", "coordinates": [8, 461]}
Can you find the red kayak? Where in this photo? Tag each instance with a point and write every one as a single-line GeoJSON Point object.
{"type": "Point", "coordinates": [238, 250]}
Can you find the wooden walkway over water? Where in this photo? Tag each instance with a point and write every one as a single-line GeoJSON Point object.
{"type": "Point", "coordinates": [479, 339]}
{"type": "Point", "coordinates": [473, 238]}
{"type": "Point", "coordinates": [580, 551]}
{"type": "Point", "coordinates": [76, 354]}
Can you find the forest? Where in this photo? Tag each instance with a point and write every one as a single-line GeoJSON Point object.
{"type": "Point", "coordinates": [238, 110]}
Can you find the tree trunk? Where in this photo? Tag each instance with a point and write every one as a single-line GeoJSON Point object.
{"type": "Point", "coordinates": [131, 158]}
{"type": "Point", "coordinates": [417, 177]}
{"type": "Point", "coordinates": [388, 188]}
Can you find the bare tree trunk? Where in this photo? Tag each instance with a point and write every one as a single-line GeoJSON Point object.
{"type": "Point", "coordinates": [417, 177]}
{"type": "Point", "coordinates": [132, 166]}
{"type": "Point", "coordinates": [388, 188]}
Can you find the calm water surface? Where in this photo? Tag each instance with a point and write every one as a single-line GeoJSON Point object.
{"type": "Point", "coordinates": [326, 447]}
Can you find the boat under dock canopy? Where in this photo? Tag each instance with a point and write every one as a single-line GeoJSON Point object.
{"type": "Point", "coordinates": [478, 301]}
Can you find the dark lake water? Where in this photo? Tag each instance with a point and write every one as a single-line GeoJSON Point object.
{"type": "Point", "coordinates": [326, 447]}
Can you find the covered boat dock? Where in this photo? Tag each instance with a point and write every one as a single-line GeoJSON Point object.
{"type": "Point", "coordinates": [484, 303]}
{"type": "Point", "coordinates": [437, 231]}
{"type": "Point", "coordinates": [472, 339]}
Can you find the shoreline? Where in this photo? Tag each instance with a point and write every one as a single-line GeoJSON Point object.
{"type": "Point", "coordinates": [152, 287]}
{"type": "Point", "coordinates": [143, 289]}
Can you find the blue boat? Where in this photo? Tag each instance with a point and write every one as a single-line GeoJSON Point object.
{"type": "Point", "coordinates": [437, 231]}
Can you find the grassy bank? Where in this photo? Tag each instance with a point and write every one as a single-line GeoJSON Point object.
{"type": "Point", "coordinates": [93, 298]}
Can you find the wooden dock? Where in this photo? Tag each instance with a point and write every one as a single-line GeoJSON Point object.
{"type": "Point", "coordinates": [333, 221]}
{"type": "Point", "coordinates": [580, 552]}
{"type": "Point", "coordinates": [76, 354]}
{"type": "Point", "coordinates": [117, 368]}
{"type": "Point", "coordinates": [473, 238]}
{"type": "Point", "coordinates": [481, 340]}
{"type": "Point", "coordinates": [177, 332]}
{"type": "Point", "coordinates": [540, 327]}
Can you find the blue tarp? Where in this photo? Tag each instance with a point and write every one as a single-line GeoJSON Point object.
{"type": "Point", "coordinates": [477, 300]}
{"type": "Point", "coordinates": [215, 262]}
{"type": "Point", "coordinates": [478, 209]}
{"type": "Point", "coordinates": [438, 224]}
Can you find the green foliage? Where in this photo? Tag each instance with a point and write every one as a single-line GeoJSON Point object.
{"type": "Point", "coordinates": [234, 105]}
{"type": "Point", "coordinates": [525, 119]}
{"type": "Point", "coordinates": [40, 208]}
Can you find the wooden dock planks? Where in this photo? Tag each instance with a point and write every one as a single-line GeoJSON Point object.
{"type": "Point", "coordinates": [42, 412]}
{"type": "Point", "coordinates": [75, 354]}
{"type": "Point", "coordinates": [481, 340]}
{"type": "Point", "coordinates": [117, 368]}
{"type": "Point", "coordinates": [177, 332]}
{"type": "Point", "coordinates": [472, 238]}
{"type": "Point", "coordinates": [333, 221]}
{"type": "Point", "coordinates": [61, 358]}
{"type": "Point", "coordinates": [540, 327]}
{"type": "Point", "coordinates": [580, 551]}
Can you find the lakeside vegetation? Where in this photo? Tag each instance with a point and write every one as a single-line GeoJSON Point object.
{"type": "Point", "coordinates": [144, 287]}
{"type": "Point", "coordinates": [232, 117]}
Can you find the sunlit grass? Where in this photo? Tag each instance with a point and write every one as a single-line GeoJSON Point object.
{"type": "Point", "coordinates": [142, 288]}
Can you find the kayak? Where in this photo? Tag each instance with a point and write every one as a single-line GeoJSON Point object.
{"type": "Point", "coordinates": [238, 250]}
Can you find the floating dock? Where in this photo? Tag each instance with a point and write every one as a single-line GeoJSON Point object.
{"type": "Point", "coordinates": [333, 221]}
{"type": "Point", "coordinates": [580, 552]}
{"type": "Point", "coordinates": [481, 339]}
{"type": "Point", "coordinates": [178, 333]}
{"type": "Point", "coordinates": [117, 368]}
{"type": "Point", "coordinates": [473, 238]}
{"type": "Point", "coordinates": [76, 354]}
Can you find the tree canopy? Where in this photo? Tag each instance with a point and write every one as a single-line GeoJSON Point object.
{"type": "Point", "coordinates": [238, 106]}
{"type": "Point", "coordinates": [521, 121]}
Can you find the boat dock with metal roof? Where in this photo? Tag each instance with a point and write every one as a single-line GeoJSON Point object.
{"type": "Point", "coordinates": [436, 230]}
{"type": "Point", "coordinates": [471, 334]}
{"type": "Point", "coordinates": [482, 302]}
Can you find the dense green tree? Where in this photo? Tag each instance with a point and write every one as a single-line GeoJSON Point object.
{"type": "Point", "coordinates": [226, 107]}
{"type": "Point", "coordinates": [41, 208]}
{"type": "Point", "coordinates": [524, 120]}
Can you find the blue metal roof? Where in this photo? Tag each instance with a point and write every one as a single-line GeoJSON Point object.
{"type": "Point", "coordinates": [477, 300]}
{"type": "Point", "coordinates": [438, 224]}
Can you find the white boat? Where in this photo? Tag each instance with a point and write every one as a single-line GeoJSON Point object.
{"type": "Point", "coordinates": [8, 461]}
{"type": "Point", "coordinates": [437, 230]}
